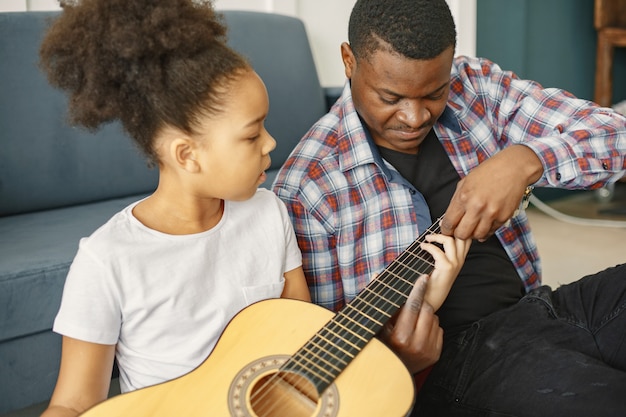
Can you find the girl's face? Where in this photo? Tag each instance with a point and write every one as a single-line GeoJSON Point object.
{"type": "Point", "coordinates": [234, 145]}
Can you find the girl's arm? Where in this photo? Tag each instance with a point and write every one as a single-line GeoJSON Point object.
{"type": "Point", "coordinates": [84, 377]}
{"type": "Point", "coordinates": [295, 285]}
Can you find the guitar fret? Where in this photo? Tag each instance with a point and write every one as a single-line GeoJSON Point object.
{"type": "Point", "coordinates": [392, 287]}
{"type": "Point", "coordinates": [352, 320]}
{"type": "Point", "coordinates": [340, 350]}
{"type": "Point", "coordinates": [360, 324]}
{"type": "Point", "coordinates": [366, 315]}
{"type": "Point", "coordinates": [408, 274]}
{"type": "Point", "coordinates": [333, 364]}
{"type": "Point", "coordinates": [401, 278]}
{"type": "Point", "coordinates": [344, 343]}
{"type": "Point", "coordinates": [363, 311]}
{"type": "Point", "coordinates": [390, 299]}
{"type": "Point", "coordinates": [411, 267]}
{"type": "Point", "coordinates": [327, 348]}
{"type": "Point", "coordinates": [316, 369]}
{"type": "Point", "coordinates": [330, 375]}
{"type": "Point", "coordinates": [342, 338]}
{"type": "Point", "coordinates": [382, 314]}
{"type": "Point", "coordinates": [380, 295]}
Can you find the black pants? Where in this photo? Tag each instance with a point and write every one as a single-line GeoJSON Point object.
{"type": "Point", "coordinates": [555, 353]}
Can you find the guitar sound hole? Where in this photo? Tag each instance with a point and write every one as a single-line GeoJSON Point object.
{"type": "Point", "coordinates": [282, 394]}
{"type": "Point", "coordinates": [260, 389]}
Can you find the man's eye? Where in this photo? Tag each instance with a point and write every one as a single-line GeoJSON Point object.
{"type": "Point", "coordinates": [389, 101]}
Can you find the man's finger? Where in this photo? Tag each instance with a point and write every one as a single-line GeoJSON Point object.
{"type": "Point", "coordinates": [416, 296]}
{"type": "Point", "coordinates": [450, 221]}
{"type": "Point", "coordinates": [407, 317]}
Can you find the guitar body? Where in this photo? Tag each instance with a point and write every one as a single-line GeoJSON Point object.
{"type": "Point", "coordinates": [250, 351]}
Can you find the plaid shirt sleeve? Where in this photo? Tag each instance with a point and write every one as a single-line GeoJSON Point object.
{"type": "Point", "coordinates": [580, 144]}
{"type": "Point", "coordinates": [312, 212]}
{"type": "Point", "coordinates": [317, 243]}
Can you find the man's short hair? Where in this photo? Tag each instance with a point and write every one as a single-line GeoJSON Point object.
{"type": "Point", "coordinates": [417, 29]}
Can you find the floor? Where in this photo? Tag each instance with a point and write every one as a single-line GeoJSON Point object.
{"type": "Point", "coordinates": [582, 234]}
{"type": "Point", "coordinates": [587, 235]}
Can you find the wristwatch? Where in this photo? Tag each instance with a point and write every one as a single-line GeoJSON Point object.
{"type": "Point", "coordinates": [523, 205]}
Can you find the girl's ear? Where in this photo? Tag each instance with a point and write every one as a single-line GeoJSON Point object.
{"type": "Point", "coordinates": [184, 152]}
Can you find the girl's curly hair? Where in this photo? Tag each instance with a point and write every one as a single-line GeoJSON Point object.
{"type": "Point", "coordinates": [147, 63]}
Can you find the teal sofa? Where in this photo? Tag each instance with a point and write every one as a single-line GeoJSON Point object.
{"type": "Point", "coordinates": [58, 183]}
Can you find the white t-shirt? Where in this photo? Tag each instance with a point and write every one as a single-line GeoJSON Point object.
{"type": "Point", "coordinates": [166, 299]}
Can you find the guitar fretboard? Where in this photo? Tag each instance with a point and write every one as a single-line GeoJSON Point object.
{"type": "Point", "coordinates": [332, 348]}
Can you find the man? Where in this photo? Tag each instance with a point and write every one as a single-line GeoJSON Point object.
{"type": "Point", "coordinates": [418, 134]}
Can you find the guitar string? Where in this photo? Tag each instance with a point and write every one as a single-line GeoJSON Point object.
{"type": "Point", "coordinates": [406, 273]}
{"type": "Point", "coordinates": [303, 378]}
{"type": "Point", "coordinates": [347, 321]}
{"type": "Point", "coordinates": [409, 250]}
{"type": "Point", "coordinates": [412, 272]}
{"type": "Point", "coordinates": [371, 289]}
{"type": "Point", "coordinates": [341, 320]}
{"type": "Point", "coordinates": [395, 292]}
{"type": "Point", "coordinates": [404, 269]}
{"type": "Point", "coordinates": [299, 382]}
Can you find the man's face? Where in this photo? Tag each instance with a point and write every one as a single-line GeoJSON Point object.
{"type": "Point", "coordinates": [399, 99]}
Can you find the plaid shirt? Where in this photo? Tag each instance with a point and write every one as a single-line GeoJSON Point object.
{"type": "Point", "coordinates": [352, 219]}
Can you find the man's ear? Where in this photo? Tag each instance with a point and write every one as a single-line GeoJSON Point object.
{"type": "Point", "coordinates": [349, 62]}
{"type": "Point", "coordinates": [184, 152]}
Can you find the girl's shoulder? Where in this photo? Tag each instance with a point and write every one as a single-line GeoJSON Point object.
{"type": "Point", "coordinates": [264, 203]}
{"type": "Point", "coordinates": [117, 229]}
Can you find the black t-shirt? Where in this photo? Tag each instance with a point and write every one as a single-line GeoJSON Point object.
{"type": "Point", "coordinates": [488, 281]}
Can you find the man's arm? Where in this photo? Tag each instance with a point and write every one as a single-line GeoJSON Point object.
{"type": "Point", "coordinates": [537, 136]}
{"type": "Point", "coordinates": [489, 195]}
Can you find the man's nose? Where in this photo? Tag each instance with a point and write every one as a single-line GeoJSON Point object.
{"type": "Point", "coordinates": [413, 114]}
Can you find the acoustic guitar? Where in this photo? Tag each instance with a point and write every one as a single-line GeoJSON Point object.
{"type": "Point", "coordinates": [289, 358]}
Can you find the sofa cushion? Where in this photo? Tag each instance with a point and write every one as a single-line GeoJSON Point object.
{"type": "Point", "coordinates": [38, 249]}
{"type": "Point", "coordinates": [24, 377]}
{"type": "Point", "coordinates": [44, 162]}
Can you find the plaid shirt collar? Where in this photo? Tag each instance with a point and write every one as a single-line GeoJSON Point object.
{"type": "Point", "coordinates": [354, 151]}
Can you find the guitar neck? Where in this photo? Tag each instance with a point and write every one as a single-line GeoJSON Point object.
{"type": "Point", "coordinates": [332, 348]}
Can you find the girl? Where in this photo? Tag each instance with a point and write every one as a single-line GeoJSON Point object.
{"type": "Point", "coordinates": [156, 285]}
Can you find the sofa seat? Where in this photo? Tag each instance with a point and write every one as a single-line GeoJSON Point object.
{"type": "Point", "coordinates": [31, 288]}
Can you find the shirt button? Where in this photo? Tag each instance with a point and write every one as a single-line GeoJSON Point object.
{"type": "Point", "coordinates": [413, 192]}
{"type": "Point", "coordinates": [558, 176]}
{"type": "Point", "coordinates": [605, 165]}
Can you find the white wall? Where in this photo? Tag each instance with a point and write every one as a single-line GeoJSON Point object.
{"type": "Point", "coordinates": [327, 26]}
{"type": "Point", "coordinates": [28, 5]}
{"type": "Point", "coordinates": [326, 22]}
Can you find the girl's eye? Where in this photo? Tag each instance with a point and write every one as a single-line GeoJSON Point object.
{"type": "Point", "coordinates": [253, 135]}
